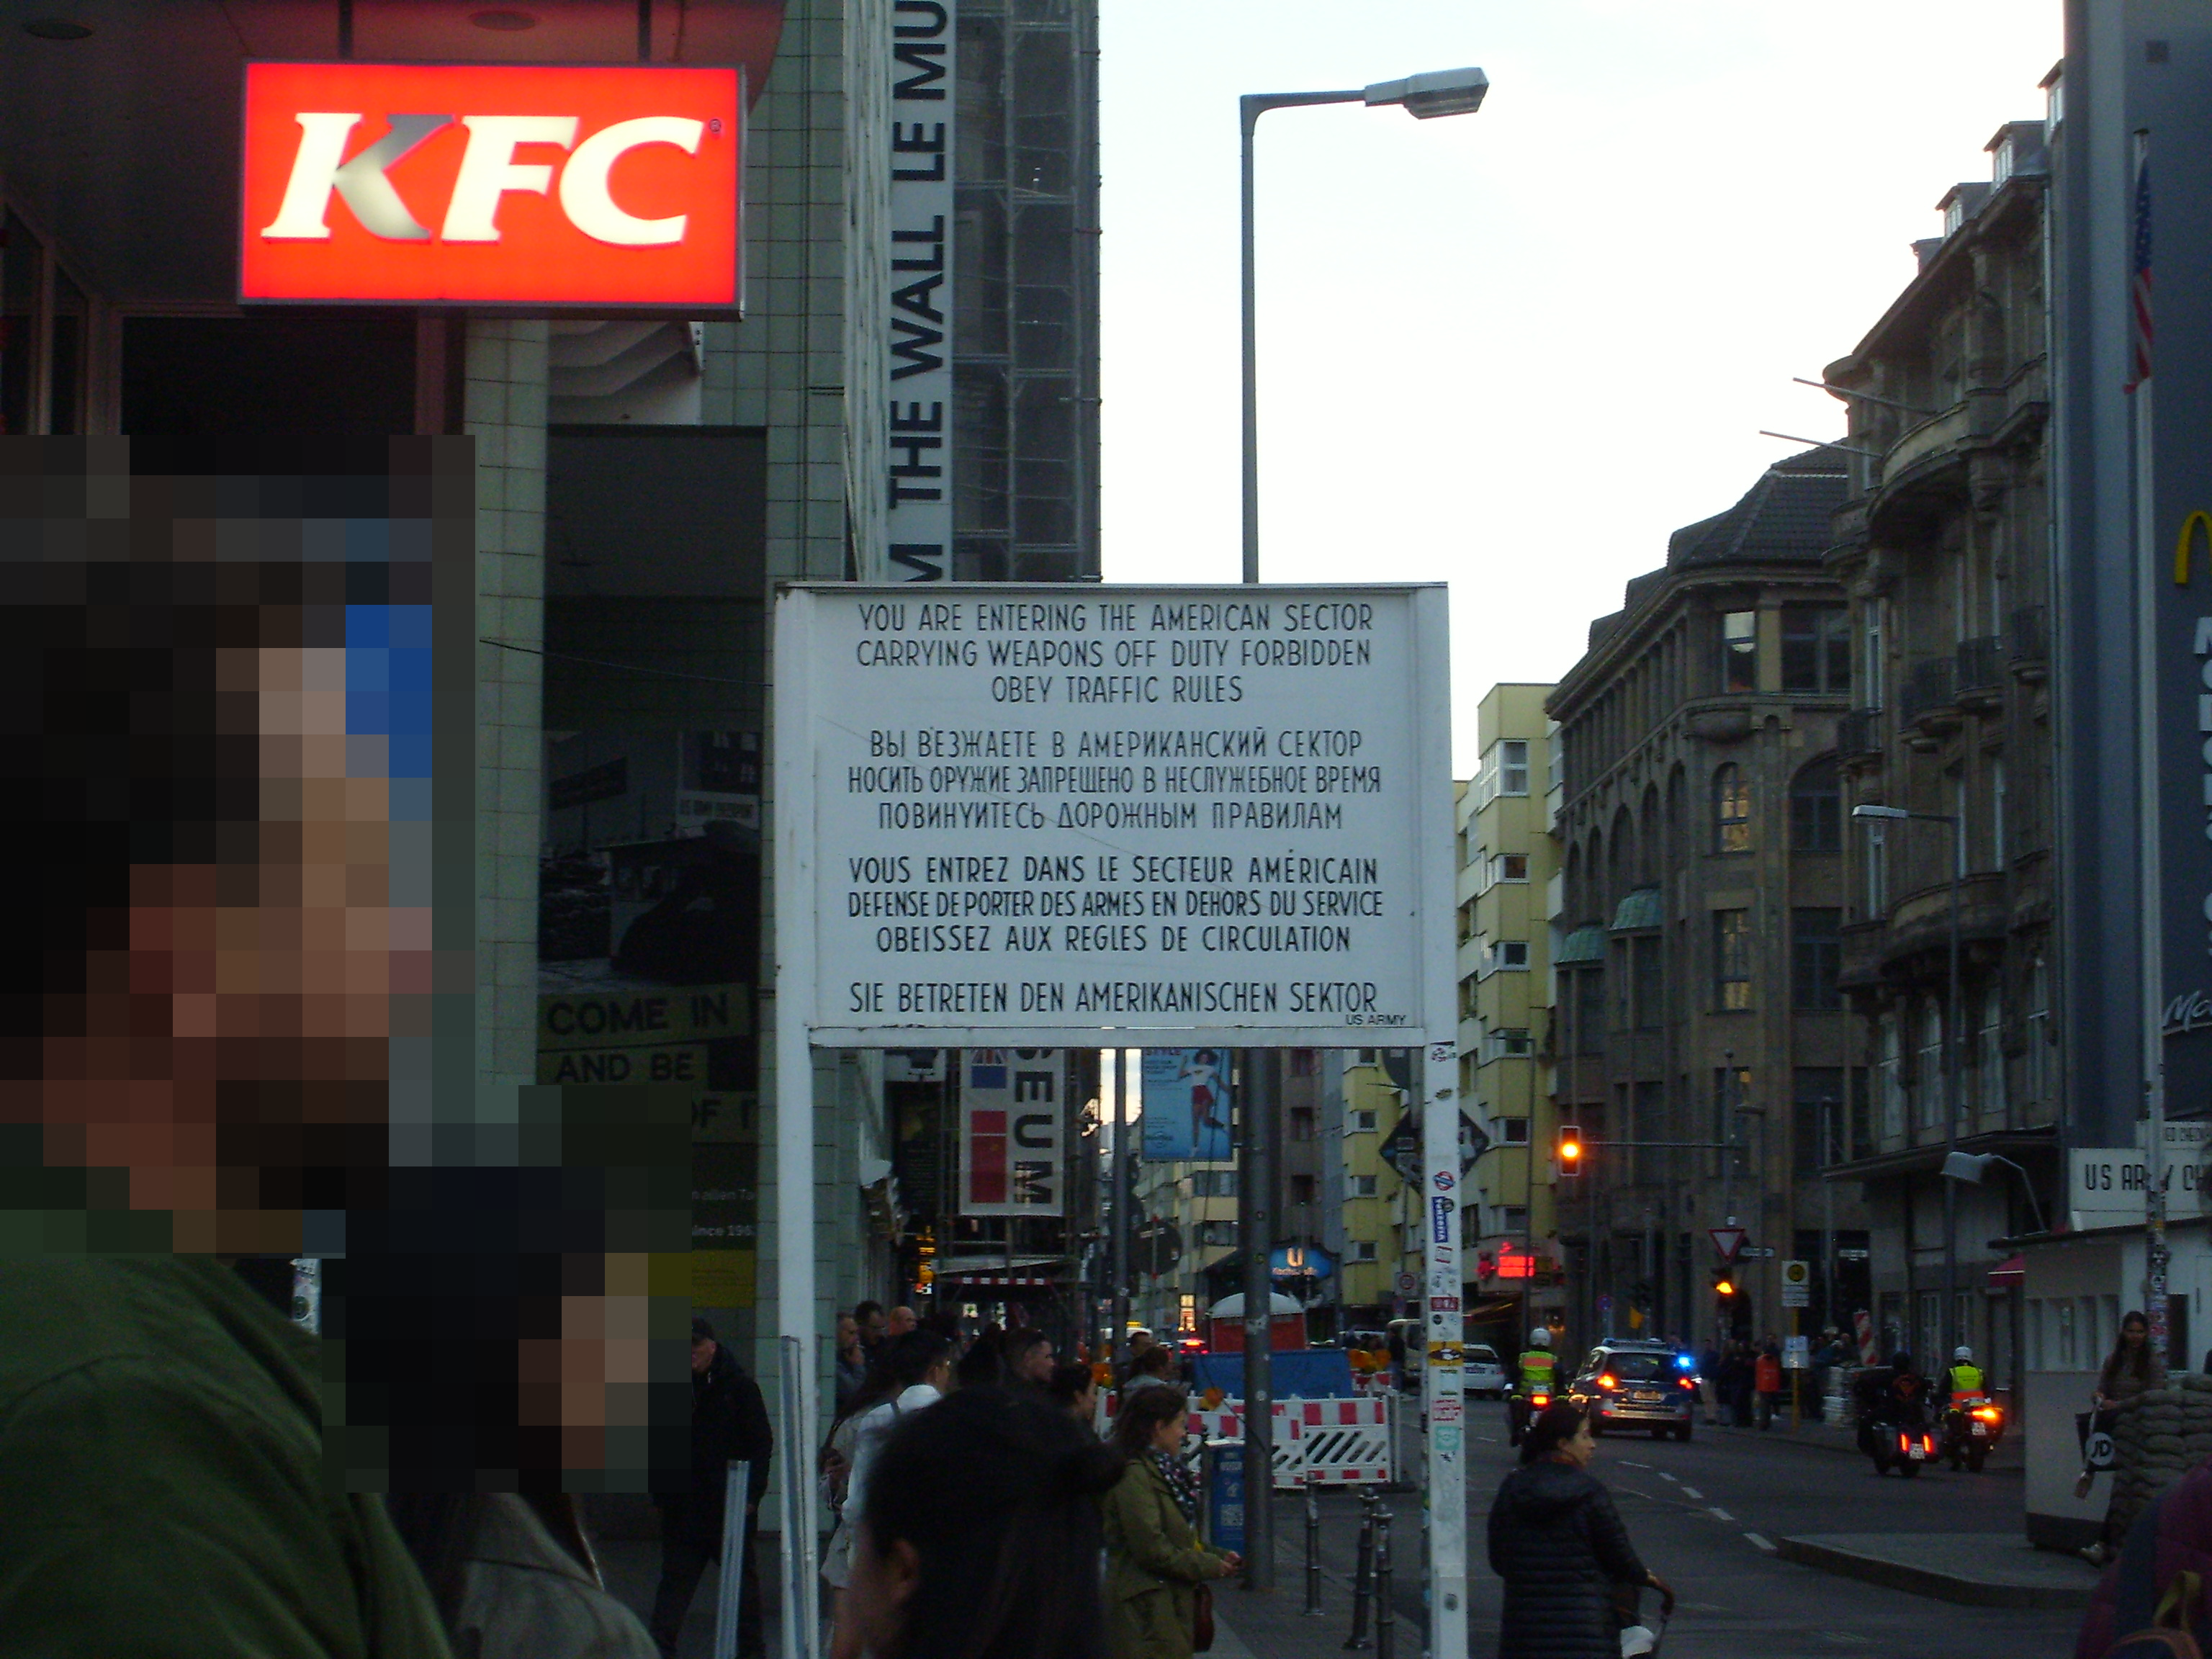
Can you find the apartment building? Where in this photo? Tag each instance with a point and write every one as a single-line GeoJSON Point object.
{"type": "Point", "coordinates": [1508, 859]}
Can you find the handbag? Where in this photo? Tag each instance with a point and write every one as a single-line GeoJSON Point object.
{"type": "Point", "coordinates": [1202, 1631]}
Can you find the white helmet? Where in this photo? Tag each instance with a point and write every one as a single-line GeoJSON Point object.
{"type": "Point", "coordinates": [1539, 1338]}
{"type": "Point", "coordinates": [1963, 1354]}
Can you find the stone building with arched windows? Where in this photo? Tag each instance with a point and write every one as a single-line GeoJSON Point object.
{"type": "Point", "coordinates": [1699, 1036]}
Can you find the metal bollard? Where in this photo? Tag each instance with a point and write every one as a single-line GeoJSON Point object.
{"type": "Point", "coordinates": [1386, 1622]}
{"type": "Point", "coordinates": [1313, 1550]}
{"type": "Point", "coordinates": [1362, 1577]}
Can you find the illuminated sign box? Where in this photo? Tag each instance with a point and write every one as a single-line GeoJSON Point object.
{"type": "Point", "coordinates": [492, 184]}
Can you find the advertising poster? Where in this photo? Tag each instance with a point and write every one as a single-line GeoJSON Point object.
{"type": "Point", "coordinates": [1012, 1160]}
{"type": "Point", "coordinates": [1186, 1105]}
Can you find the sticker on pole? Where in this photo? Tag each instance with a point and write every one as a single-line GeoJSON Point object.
{"type": "Point", "coordinates": [1440, 1220]}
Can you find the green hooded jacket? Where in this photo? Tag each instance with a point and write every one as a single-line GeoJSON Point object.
{"type": "Point", "coordinates": [161, 1452]}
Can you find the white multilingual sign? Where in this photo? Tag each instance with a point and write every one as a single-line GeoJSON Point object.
{"type": "Point", "coordinates": [1796, 1283]}
{"type": "Point", "coordinates": [1031, 813]}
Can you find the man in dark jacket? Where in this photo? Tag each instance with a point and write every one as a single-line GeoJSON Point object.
{"type": "Point", "coordinates": [729, 1424]}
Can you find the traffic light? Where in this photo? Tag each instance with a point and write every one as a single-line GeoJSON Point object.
{"type": "Point", "coordinates": [1723, 1282]}
{"type": "Point", "coordinates": [1570, 1153]}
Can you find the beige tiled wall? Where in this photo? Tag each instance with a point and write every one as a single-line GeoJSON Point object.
{"type": "Point", "coordinates": [504, 410]}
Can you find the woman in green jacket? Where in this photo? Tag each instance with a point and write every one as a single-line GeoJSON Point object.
{"type": "Point", "coordinates": [1154, 1560]}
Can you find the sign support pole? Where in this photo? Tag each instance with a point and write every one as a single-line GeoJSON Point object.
{"type": "Point", "coordinates": [795, 853]}
{"type": "Point", "coordinates": [1443, 1399]}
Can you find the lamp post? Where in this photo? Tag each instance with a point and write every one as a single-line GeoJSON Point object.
{"type": "Point", "coordinates": [1952, 1018]}
{"type": "Point", "coordinates": [1445, 91]}
{"type": "Point", "coordinates": [1828, 1213]}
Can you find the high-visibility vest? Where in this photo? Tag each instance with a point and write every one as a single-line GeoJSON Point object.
{"type": "Point", "coordinates": [1966, 1379]}
{"type": "Point", "coordinates": [1537, 1367]}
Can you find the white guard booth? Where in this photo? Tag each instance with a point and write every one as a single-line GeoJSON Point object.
{"type": "Point", "coordinates": [1088, 816]}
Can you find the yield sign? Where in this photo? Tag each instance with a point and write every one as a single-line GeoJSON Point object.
{"type": "Point", "coordinates": [1727, 1241]}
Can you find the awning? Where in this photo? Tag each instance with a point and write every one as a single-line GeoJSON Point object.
{"type": "Point", "coordinates": [2008, 1272]}
{"type": "Point", "coordinates": [1585, 945]}
{"type": "Point", "coordinates": [1638, 911]}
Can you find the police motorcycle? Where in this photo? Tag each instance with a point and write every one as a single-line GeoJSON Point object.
{"type": "Point", "coordinates": [1893, 1418]}
{"type": "Point", "coordinates": [1533, 1390]}
{"type": "Point", "coordinates": [1973, 1422]}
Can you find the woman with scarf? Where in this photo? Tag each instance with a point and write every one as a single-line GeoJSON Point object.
{"type": "Point", "coordinates": [1155, 1564]}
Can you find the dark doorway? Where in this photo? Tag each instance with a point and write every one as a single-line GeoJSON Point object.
{"type": "Point", "coordinates": [348, 374]}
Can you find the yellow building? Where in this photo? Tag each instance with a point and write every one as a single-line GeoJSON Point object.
{"type": "Point", "coordinates": [1374, 1204]}
{"type": "Point", "coordinates": [1508, 862]}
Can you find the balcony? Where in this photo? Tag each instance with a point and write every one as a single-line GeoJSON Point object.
{"type": "Point", "coordinates": [1864, 943]}
{"type": "Point", "coordinates": [1931, 703]}
{"type": "Point", "coordinates": [2030, 642]}
{"type": "Point", "coordinates": [1980, 668]}
{"type": "Point", "coordinates": [1858, 736]}
{"type": "Point", "coordinates": [1920, 923]}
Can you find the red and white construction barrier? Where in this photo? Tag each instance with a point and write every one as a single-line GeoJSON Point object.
{"type": "Point", "coordinates": [1335, 1441]}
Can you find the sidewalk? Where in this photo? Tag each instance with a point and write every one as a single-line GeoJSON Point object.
{"type": "Point", "coordinates": [1975, 1569]}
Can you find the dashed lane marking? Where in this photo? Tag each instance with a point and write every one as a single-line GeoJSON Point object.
{"type": "Point", "coordinates": [1630, 1463]}
{"type": "Point", "coordinates": [1692, 1494]}
{"type": "Point", "coordinates": [1762, 1543]}
{"type": "Point", "coordinates": [1663, 1475]}
{"type": "Point", "coordinates": [1718, 1513]}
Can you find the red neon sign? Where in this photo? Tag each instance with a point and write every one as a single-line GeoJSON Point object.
{"type": "Point", "coordinates": [491, 184]}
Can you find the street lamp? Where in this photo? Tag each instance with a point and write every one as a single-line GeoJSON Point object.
{"type": "Point", "coordinates": [1954, 1016]}
{"type": "Point", "coordinates": [1975, 1167]}
{"type": "Point", "coordinates": [1444, 92]}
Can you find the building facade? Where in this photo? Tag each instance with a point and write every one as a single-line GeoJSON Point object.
{"type": "Point", "coordinates": [1701, 1041]}
{"type": "Point", "coordinates": [1508, 862]}
{"type": "Point", "coordinates": [1943, 549]}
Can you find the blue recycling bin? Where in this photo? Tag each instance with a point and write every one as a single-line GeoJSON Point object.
{"type": "Point", "coordinates": [1225, 1495]}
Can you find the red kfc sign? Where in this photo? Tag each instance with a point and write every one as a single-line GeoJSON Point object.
{"type": "Point", "coordinates": [492, 184]}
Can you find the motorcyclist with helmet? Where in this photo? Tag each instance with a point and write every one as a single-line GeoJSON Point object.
{"type": "Point", "coordinates": [1966, 1376]}
{"type": "Point", "coordinates": [1538, 1370]}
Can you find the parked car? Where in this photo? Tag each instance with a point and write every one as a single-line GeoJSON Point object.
{"type": "Point", "coordinates": [1484, 1376]}
{"type": "Point", "coordinates": [1626, 1384]}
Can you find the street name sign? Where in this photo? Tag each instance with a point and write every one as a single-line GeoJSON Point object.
{"type": "Point", "coordinates": [1044, 812]}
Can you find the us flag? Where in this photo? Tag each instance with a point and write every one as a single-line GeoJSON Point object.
{"type": "Point", "coordinates": [2143, 332]}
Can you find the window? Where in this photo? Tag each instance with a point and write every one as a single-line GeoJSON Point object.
{"type": "Point", "coordinates": [1816, 958]}
{"type": "Point", "coordinates": [1359, 1186]}
{"type": "Point", "coordinates": [1303, 1121]}
{"type": "Point", "coordinates": [1513, 1131]}
{"type": "Point", "coordinates": [1513, 1218]}
{"type": "Point", "coordinates": [1989, 1082]}
{"type": "Point", "coordinates": [1509, 866]}
{"type": "Point", "coordinates": [1739, 651]}
{"type": "Point", "coordinates": [1360, 1123]}
{"type": "Point", "coordinates": [1732, 958]}
{"type": "Point", "coordinates": [1816, 1114]}
{"type": "Point", "coordinates": [1891, 1067]}
{"type": "Point", "coordinates": [1505, 1043]}
{"type": "Point", "coordinates": [1555, 775]}
{"type": "Point", "coordinates": [1873, 616]}
{"type": "Point", "coordinates": [1816, 649]}
{"type": "Point", "coordinates": [1928, 1071]}
{"type": "Point", "coordinates": [1359, 1249]}
{"type": "Point", "coordinates": [1212, 1234]}
{"type": "Point", "coordinates": [1816, 809]}
{"type": "Point", "coordinates": [1730, 1091]}
{"type": "Point", "coordinates": [1731, 810]}
{"type": "Point", "coordinates": [1513, 756]}
{"type": "Point", "coordinates": [2036, 1070]}
{"type": "Point", "coordinates": [1467, 921]}
{"type": "Point", "coordinates": [1509, 953]}
{"type": "Point", "coordinates": [1649, 970]}
{"type": "Point", "coordinates": [1999, 850]}
{"type": "Point", "coordinates": [1590, 1012]}
{"type": "Point", "coordinates": [1213, 1183]}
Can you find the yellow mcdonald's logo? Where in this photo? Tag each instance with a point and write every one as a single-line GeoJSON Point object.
{"type": "Point", "coordinates": [2184, 544]}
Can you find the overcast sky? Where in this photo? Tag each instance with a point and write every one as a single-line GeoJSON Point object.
{"type": "Point", "coordinates": [1512, 350]}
